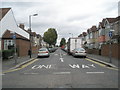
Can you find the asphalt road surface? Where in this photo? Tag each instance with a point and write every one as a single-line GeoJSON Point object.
{"type": "Point", "coordinates": [61, 70]}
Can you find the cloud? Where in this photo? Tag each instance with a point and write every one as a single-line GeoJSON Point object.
{"type": "Point", "coordinates": [67, 16]}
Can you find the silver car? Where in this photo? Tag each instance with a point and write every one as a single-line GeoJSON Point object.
{"type": "Point", "coordinates": [43, 52]}
{"type": "Point", "coordinates": [79, 52]}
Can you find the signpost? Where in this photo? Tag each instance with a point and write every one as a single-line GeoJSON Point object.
{"type": "Point", "coordinates": [110, 51]}
{"type": "Point", "coordinates": [15, 53]}
{"type": "Point", "coordinates": [110, 34]}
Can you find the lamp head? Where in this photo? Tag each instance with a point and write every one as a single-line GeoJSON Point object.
{"type": "Point", "coordinates": [35, 14]}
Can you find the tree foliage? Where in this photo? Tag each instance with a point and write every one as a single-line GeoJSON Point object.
{"type": "Point", "coordinates": [62, 42]}
{"type": "Point", "coordinates": [50, 36]}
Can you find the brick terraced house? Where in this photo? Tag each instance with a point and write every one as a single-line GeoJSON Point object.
{"type": "Point", "coordinates": [7, 28]}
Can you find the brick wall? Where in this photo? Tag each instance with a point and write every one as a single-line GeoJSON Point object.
{"type": "Point", "coordinates": [93, 51]}
{"type": "Point", "coordinates": [35, 49]}
{"type": "Point", "coordinates": [115, 48]}
{"type": "Point", "coordinates": [22, 47]}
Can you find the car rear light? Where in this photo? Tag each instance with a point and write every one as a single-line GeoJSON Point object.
{"type": "Point", "coordinates": [76, 52]}
{"type": "Point", "coordinates": [46, 52]}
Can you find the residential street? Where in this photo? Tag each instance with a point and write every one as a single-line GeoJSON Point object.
{"type": "Point", "coordinates": [61, 70]}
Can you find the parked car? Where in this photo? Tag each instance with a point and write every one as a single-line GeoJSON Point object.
{"type": "Point", "coordinates": [43, 52]}
{"type": "Point", "coordinates": [52, 49]}
{"type": "Point", "coordinates": [79, 52]}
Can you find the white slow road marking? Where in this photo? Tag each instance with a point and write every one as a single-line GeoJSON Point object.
{"type": "Point", "coordinates": [55, 54]}
{"type": "Point", "coordinates": [61, 59]}
{"type": "Point", "coordinates": [61, 72]}
{"type": "Point", "coordinates": [94, 72]}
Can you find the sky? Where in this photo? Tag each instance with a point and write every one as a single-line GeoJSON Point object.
{"type": "Point", "coordinates": [66, 16]}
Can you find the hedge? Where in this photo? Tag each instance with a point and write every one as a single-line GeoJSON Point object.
{"type": "Point", "coordinates": [7, 53]}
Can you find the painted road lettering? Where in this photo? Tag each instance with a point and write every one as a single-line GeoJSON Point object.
{"type": "Point", "coordinates": [81, 66]}
{"type": "Point", "coordinates": [61, 59]}
{"type": "Point", "coordinates": [41, 66]}
{"type": "Point", "coordinates": [74, 66]}
{"type": "Point", "coordinates": [85, 66]}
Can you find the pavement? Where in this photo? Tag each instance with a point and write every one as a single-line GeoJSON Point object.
{"type": "Point", "coordinates": [104, 59]}
{"type": "Point", "coordinates": [10, 63]}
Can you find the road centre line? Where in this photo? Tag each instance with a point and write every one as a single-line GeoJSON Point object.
{"type": "Point", "coordinates": [61, 72]}
{"type": "Point", "coordinates": [94, 72]}
{"type": "Point", "coordinates": [56, 54]}
{"type": "Point", "coordinates": [61, 58]}
{"type": "Point", "coordinates": [31, 73]}
{"type": "Point", "coordinates": [2, 74]}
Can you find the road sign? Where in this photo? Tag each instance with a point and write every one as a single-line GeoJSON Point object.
{"type": "Point", "coordinates": [110, 34]}
{"type": "Point", "coordinates": [14, 36]}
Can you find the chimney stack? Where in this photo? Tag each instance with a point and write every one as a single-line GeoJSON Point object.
{"type": "Point", "coordinates": [22, 26]}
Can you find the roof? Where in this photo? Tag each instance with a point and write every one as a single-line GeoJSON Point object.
{"type": "Point", "coordinates": [111, 20]}
{"type": "Point", "coordinates": [118, 18]}
{"type": "Point", "coordinates": [93, 28]}
{"type": "Point", "coordinates": [8, 34]}
{"type": "Point", "coordinates": [3, 12]}
{"type": "Point", "coordinates": [80, 35]}
{"type": "Point", "coordinates": [101, 24]}
{"type": "Point", "coordinates": [88, 30]}
{"type": "Point", "coordinates": [84, 33]}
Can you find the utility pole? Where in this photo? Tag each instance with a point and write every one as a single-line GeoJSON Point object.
{"type": "Point", "coordinates": [30, 50]}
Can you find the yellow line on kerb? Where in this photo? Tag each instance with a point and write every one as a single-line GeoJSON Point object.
{"type": "Point", "coordinates": [101, 64]}
{"type": "Point", "coordinates": [23, 66]}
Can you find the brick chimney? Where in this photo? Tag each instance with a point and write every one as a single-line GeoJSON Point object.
{"type": "Point", "coordinates": [22, 26]}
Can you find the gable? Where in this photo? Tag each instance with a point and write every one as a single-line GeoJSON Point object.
{"type": "Point", "coordinates": [9, 23]}
{"type": "Point", "coordinates": [3, 12]}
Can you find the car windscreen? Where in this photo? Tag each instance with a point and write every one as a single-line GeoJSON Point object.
{"type": "Point", "coordinates": [43, 49]}
{"type": "Point", "coordinates": [80, 49]}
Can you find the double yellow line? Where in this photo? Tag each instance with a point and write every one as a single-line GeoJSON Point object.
{"type": "Point", "coordinates": [103, 65]}
{"type": "Point", "coordinates": [21, 67]}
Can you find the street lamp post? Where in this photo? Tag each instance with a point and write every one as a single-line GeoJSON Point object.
{"type": "Point", "coordinates": [30, 50]}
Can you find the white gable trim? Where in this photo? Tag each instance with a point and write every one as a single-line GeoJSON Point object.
{"type": "Point", "coordinates": [8, 22]}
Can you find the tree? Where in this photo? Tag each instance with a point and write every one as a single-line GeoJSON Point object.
{"type": "Point", "coordinates": [62, 42]}
{"type": "Point", "coordinates": [50, 36]}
